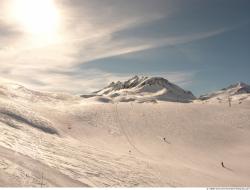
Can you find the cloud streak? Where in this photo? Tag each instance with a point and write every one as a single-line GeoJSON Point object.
{"type": "Point", "coordinates": [72, 81]}
{"type": "Point", "coordinates": [87, 33]}
{"type": "Point", "coordinates": [127, 47]}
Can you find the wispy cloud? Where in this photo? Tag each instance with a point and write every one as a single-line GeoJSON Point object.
{"type": "Point", "coordinates": [125, 47]}
{"type": "Point", "coordinates": [86, 34]}
{"type": "Point", "coordinates": [74, 82]}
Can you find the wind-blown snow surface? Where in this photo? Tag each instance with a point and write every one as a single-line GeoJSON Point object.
{"type": "Point", "coordinates": [49, 139]}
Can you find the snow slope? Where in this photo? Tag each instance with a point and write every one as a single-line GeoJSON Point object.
{"type": "Point", "coordinates": [49, 139]}
{"type": "Point", "coordinates": [235, 92]}
{"type": "Point", "coordinates": [143, 89]}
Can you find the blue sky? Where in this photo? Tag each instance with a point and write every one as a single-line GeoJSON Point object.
{"type": "Point", "coordinates": [200, 45]}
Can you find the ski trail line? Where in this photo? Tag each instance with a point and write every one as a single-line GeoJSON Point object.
{"type": "Point", "coordinates": [124, 132]}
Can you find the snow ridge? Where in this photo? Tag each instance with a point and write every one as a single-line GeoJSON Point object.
{"type": "Point", "coordinates": [143, 89]}
{"type": "Point", "coordinates": [235, 90]}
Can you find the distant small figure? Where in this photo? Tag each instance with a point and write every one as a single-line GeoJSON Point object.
{"type": "Point", "coordinates": [229, 101]}
{"type": "Point", "coordinates": [69, 127]}
{"type": "Point", "coordinates": [164, 139]}
{"type": "Point", "coordinates": [222, 164]}
{"type": "Point", "coordinates": [129, 151]}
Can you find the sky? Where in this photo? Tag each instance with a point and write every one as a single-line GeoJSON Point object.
{"type": "Point", "coordinates": [79, 46]}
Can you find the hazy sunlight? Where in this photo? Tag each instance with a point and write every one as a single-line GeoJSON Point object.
{"type": "Point", "coordinates": [38, 17]}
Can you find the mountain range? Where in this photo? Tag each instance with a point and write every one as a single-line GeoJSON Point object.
{"type": "Point", "coordinates": [153, 89]}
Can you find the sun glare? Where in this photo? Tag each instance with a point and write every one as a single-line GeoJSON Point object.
{"type": "Point", "coordinates": [38, 17]}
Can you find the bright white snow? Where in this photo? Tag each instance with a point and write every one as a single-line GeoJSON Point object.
{"type": "Point", "coordinates": [143, 89]}
{"type": "Point", "coordinates": [237, 92]}
{"type": "Point", "coordinates": [49, 139]}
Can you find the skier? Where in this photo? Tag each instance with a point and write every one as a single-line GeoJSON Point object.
{"type": "Point", "coordinates": [222, 164]}
{"type": "Point", "coordinates": [229, 101]}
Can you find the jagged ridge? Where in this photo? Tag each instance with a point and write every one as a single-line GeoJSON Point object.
{"type": "Point", "coordinates": [154, 88]}
{"type": "Point", "coordinates": [232, 90]}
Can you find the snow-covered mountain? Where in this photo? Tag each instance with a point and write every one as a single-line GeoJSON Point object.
{"type": "Point", "coordinates": [234, 92]}
{"type": "Point", "coordinates": [144, 89]}
{"type": "Point", "coordinates": [56, 139]}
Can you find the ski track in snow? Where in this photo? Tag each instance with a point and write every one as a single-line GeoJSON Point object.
{"type": "Point", "coordinates": [96, 167]}
{"type": "Point", "coordinates": [72, 142]}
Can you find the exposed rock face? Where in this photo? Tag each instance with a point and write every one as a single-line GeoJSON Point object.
{"type": "Point", "coordinates": [230, 91]}
{"type": "Point", "coordinates": [146, 88]}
